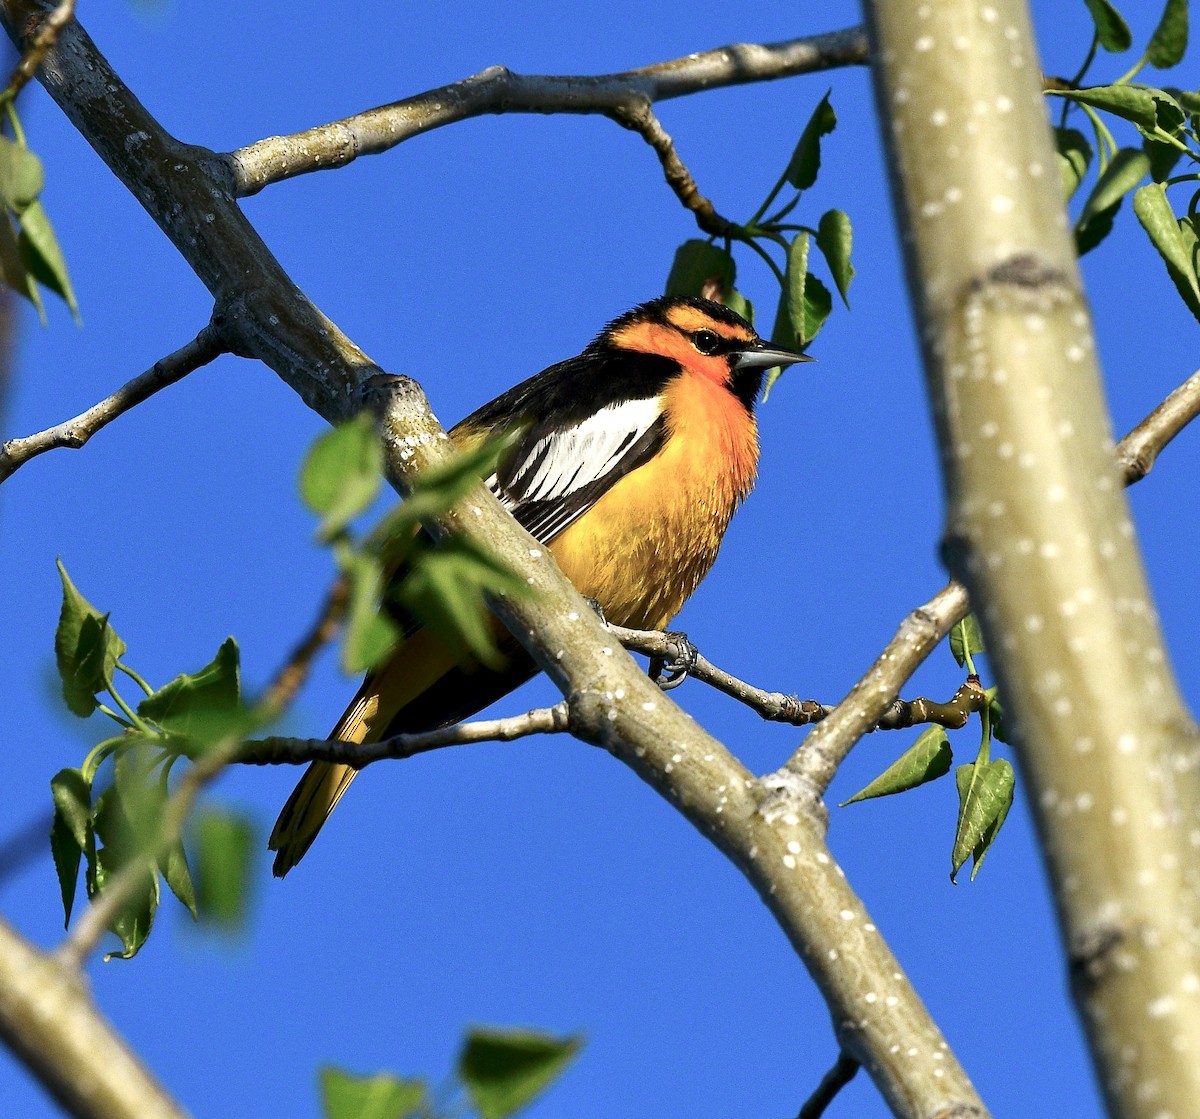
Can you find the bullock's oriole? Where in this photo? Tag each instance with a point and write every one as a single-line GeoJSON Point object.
{"type": "Point", "coordinates": [631, 460]}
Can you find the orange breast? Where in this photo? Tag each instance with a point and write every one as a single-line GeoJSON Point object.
{"type": "Point", "coordinates": [643, 548]}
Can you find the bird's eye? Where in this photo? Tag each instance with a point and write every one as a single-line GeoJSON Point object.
{"type": "Point", "coordinates": [706, 341]}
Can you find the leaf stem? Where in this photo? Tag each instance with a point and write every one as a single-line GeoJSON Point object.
{"type": "Point", "coordinates": [135, 677]}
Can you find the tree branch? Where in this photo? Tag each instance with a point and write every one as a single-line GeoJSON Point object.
{"type": "Point", "coordinates": [292, 674]}
{"type": "Point", "coordinates": [832, 1082]}
{"type": "Point", "coordinates": [41, 42]}
{"type": "Point", "coordinates": [299, 751]}
{"type": "Point", "coordinates": [202, 349]}
{"type": "Point", "coordinates": [1137, 452]}
{"type": "Point", "coordinates": [499, 90]}
{"type": "Point", "coordinates": [778, 846]}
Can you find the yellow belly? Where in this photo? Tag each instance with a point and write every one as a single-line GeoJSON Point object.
{"type": "Point", "coordinates": [643, 548]}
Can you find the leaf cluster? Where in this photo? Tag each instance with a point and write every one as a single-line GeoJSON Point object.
{"type": "Point", "coordinates": [985, 786]}
{"type": "Point", "coordinates": [122, 826]}
{"type": "Point", "coordinates": [501, 1070]}
{"type": "Point", "coordinates": [1166, 119]}
{"type": "Point", "coordinates": [705, 268]}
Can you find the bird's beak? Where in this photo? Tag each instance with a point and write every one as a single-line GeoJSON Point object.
{"type": "Point", "coordinates": [765, 356]}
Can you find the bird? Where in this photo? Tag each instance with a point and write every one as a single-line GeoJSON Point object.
{"type": "Point", "coordinates": [627, 463]}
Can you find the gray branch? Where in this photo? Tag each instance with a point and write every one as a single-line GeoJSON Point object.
{"type": "Point", "coordinates": [202, 349]}
{"type": "Point", "coordinates": [776, 840]}
{"type": "Point", "coordinates": [498, 90]}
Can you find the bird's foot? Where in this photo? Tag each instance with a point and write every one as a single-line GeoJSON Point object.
{"type": "Point", "coordinates": [670, 672]}
{"type": "Point", "coordinates": [599, 610]}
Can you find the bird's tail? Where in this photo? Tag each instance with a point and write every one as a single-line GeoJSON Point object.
{"type": "Point", "coordinates": [321, 787]}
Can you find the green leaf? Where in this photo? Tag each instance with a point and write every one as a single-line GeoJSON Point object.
{"type": "Point", "coordinates": [966, 639]}
{"type": "Point", "coordinates": [1154, 211]}
{"type": "Point", "coordinates": [381, 1096]}
{"type": "Point", "coordinates": [926, 760]}
{"type": "Point", "coordinates": [21, 174]}
{"type": "Point", "coordinates": [796, 275]}
{"type": "Point", "coordinates": [834, 239]}
{"type": "Point", "coordinates": [85, 647]}
{"type": "Point", "coordinates": [71, 831]}
{"type": "Point", "coordinates": [173, 865]}
{"type": "Point", "coordinates": [1169, 41]}
{"type": "Point", "coordinates": [1162, 157]}
{"type": "Point", "coordinates": [504, 1070]}
{"type": "Point", "coordinates": [42, 255]}
{"type": "Point", "coordinates": [806, 159]}
{"type": "Point", "coordinates": [1074, 157]}
{"type": "Point", "coordinates": [1132, 103]}
{"type": "Point", "coordinates": [225, 849]}
{"type": "Point", "coordinates": [985, 793]}
{"type": "Point", "coordinates": [1112, 32]}
{"type": "Point", "coordinates": [342, 473]}
{"type": "Point", "coordinates": [203, 706]}
{"type": "Point", "coordinates": [12, 268]}
{"type": "Point", "coordinates": [699, 266]}
{"type": "Point", "coordinates": [370, 635]}
{"type": "Point", "coordinates": [1127, 168]}
{"type": "Point", "coordinates": [447, 588]}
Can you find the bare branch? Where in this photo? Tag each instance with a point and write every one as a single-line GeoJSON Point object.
{"type": "Point", "coordinates": [1138, 450]}
{"type": "Point", "coordinates": [42, 41]}
{"type": "Point", "coordinates": [782, 853]}
{"type": "Point", "coordinates": [640, 118]}
{"type": "Point", "coordinates": [832, 1082]}
{"type": "Point", "coordinates": [202, 349]}
{"type": "Point", "coordinates": [298, 751]}
{"type": "Point", "coordinates": [817, 759]}
{"type": "Point", "coordinates": [499, 90]}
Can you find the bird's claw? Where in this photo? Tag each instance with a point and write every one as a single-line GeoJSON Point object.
{"type": "Point", "coordinates": [670, 673]}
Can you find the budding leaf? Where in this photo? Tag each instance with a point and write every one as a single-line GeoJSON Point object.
{"type": "Point", "coordinates": [42, 256]}
{"type": "Point", "coordinates": [926, 760]}
{"type": "Point", "coordinates": [504, 1070]}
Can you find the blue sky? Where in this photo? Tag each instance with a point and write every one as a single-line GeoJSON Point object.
{"type": "Point", "coordinates": [536, 883]}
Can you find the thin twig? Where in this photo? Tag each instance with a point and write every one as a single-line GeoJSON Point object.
{"type": "Point", "coordinates": [74, 433]}
{"type": "Point", "coordinates": [299, 751]}
{"type": "Point", "coordinates": [639, 117]}
{"type": "Point", "coordinates": [499, 90]}
{"type": "Point", "coordinates": [292, 674]}
{"type": "Point", "coordinates": [46, 37]}
{"type": "Point", "coordinates": [1138, 450]}
{"type": "Point", "coordinates": [819, 756]}
{"type": "Point", "coordinates": [831, 1083]}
